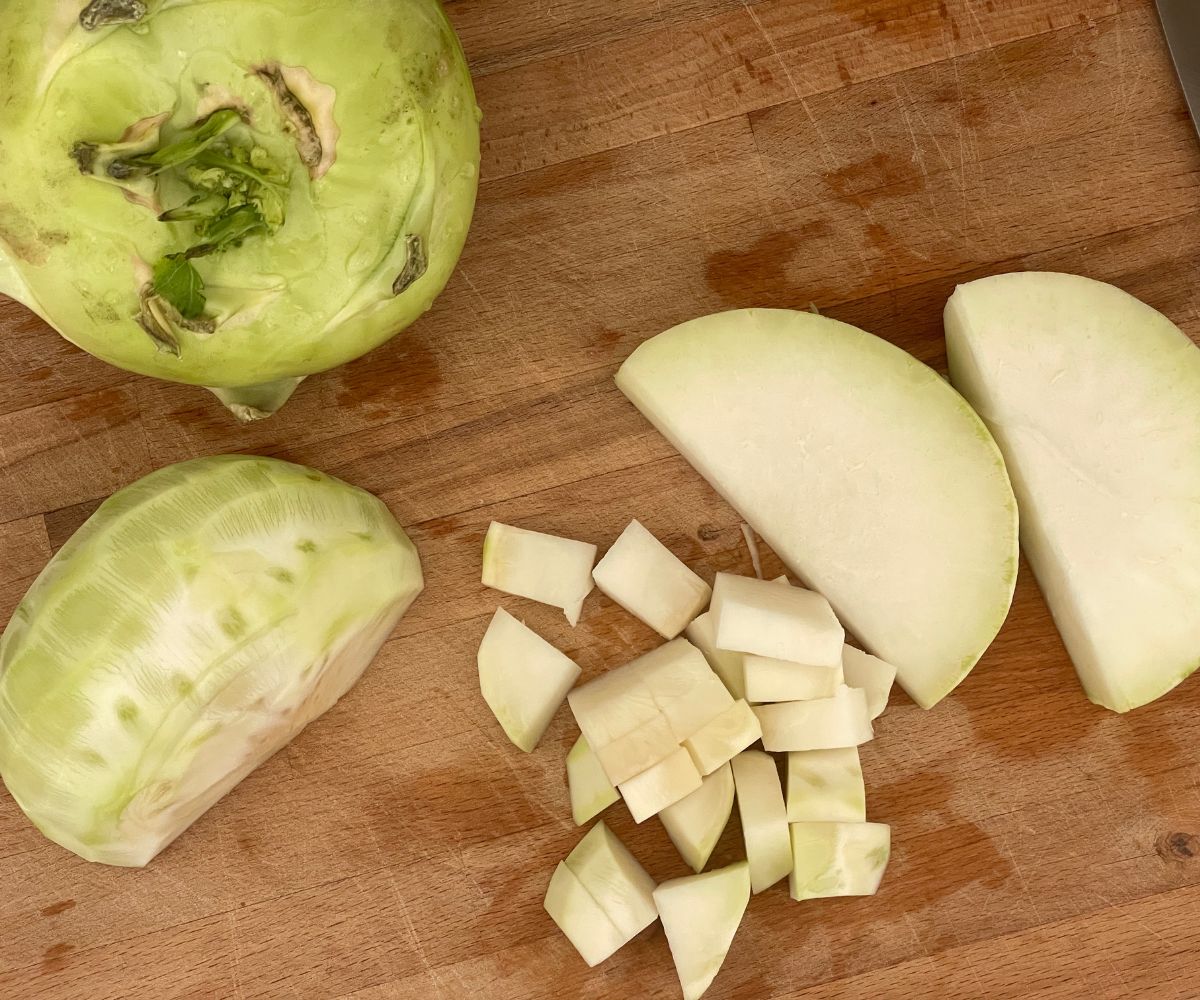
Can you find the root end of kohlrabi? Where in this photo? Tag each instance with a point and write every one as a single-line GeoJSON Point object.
{"type": "Point", "coordinates": [256, 402]}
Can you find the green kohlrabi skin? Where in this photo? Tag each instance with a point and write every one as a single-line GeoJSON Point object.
{"type": "Point", "coordinates": [193, 626]}
{"type": "Point", "coordinates": [374, 137]}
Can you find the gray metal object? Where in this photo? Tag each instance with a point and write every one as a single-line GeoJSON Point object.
{"type": "Point", "coordinates": [1181, 19]}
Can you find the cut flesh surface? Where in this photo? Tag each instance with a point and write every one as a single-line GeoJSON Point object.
{"type": "Point", "coordinates": [862, 468]}
{"type": "Point", "coordinates": [769, 679]}
{"type": "Point", "coordinates": [764, 818]}
{"type": "Point", "coordinates": [724, 738]}
{"type": "Point", "coordinates": [544, 568]}
{"type": "Point", "coordinates": [838, 859]}
{"type": "Point", "coordinates": [1094, 398]}
{"type": "Point", "coordinates": [783, 623]}
{"type": "Point", "coordinates": [637, 751]}
{"type": "Point", "coordinates": [822, 724]}
{"type": "Point", "coordinates": [726, 665]}
{"type": "Point", "coordinates": [695, 823]}
{"type": "Point", "coordinates": [580, 917]}
{"type": "Point", "coordinates": [615, 880]}
{"type": "Point", "coordinates": [663, 785]}
{"type": "Point", "coordinates": [871, 674]}
{"type": "Point", "coordinates": [591, 791]}
{"type": "Point", "coordinates": [826, 786]}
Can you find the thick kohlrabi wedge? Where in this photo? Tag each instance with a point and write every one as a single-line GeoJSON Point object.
{"type": "Point", "coordinates": [668, 781]}
{"type": "Point", "coordinates": [701, 915]}
{"type": "Point", "coordinates": [862, 468]}
{"type": "Point", "coordinates": [696, 823]}
{"type": "Point", "coordinates": [826, 786]}
{"type": "Point", "coordinates": [590, 790]}
{"type": "Point", "coordinates": [822, 724]}
{"type": "Point", "coordinates": [767, 619]}
{"type": "Point", "coordinates": [615, 879]}
{"type": "Point", "coordinates": [650, 582]}
{"type": "Point", "coordinates": [724, 738]}
{"type": "Point", "coordinates": [523, 678]}
{"type": "Point", "coordinates": [838, 859]}
{"type": "Point", "coordinates": [544, 568]}
{"type": "Point", "coordinates": [581, 918]}
{"type": "Point", "coordinates": [874, 676]}
{"type": "Point", "coordinates": [764, 818]}
{"type": "Point", "coordinates": [1094, 398]}
{"type": "Point", "coordinates": [196, 623]}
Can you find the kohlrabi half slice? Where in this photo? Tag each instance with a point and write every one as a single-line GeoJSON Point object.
{"type": "Point", "coordinates": [664, 784]}
{"type": "Point", "coordinates": [822, 724]}
{"type": "Point", "coordinates": [590, 790]}
{"type": "Point", "coordinates": [767, 619]}
{"type": "Point", "coordinates": [764, 818]}
{"type": "Point", "coordinates": [544, 568]}
{"type": "Point", "coordinates": [264, 192]}
{"type": "Point", "coordinates": [615, 879]}
{"type": "Point", "coordinates": [826, 786]}
{"type": "Point", "coordinates": [1094, 398]}
{"type": "Point", "coordinates": [696, 823]}
{"type": "Point", "coordinates": [874, 676]}
{"type": "Point", "coordinates": [700, 915]}
{"type": "Point", "coordinates": [861, 467]}
{"type": "Point", "coordinates": [194, 625]}
{"type": "Point", "coordinates": [650, 582]}
{"type": "Point", "coordinates": [581, 918]}
{"type": "Point", "coordinates": [523, 678]}
{"type": "Point", "coordinates": [838, 859]}
{"type": "Point", "coordinates": [724, 738]}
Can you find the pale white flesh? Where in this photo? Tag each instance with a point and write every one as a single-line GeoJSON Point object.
{"type": "Point", "coordinates": [823, 724]}
{"type": "Point", "coordinates": [872, 675]}
{"type": "Point", "coordinates": [590, 790]}
{"type": "Point", "coordinates": [650, 582]}
{"type": "Point", "coordinates": [580, 917]}
{"type": "Point", "coordinates": [768, 680]}
{"type": "Point", "coordinates": [764, 818]}
{"type": "Point", "coordinates": [784, 623]}
{"type": "Point", "coordinates": [726, 665]}
{"type": "Point", "coordinates": [826, 786]}
{"type": "Point", "coordinates": [638, 750]}
{"type": "Point", "coordinates": [615, 880]}
{"type": "Point", "coordinates": [724, 738]}
{"type": "Point", "coordinates": [695, 823]}
{"type": "Point", "coordinates": [861, 468]}
{"type": "Point", "coordinates": [838, 859]}
{"type": "Point", "coordinates": [523, 678]}
{"type": "Point", "coordinates": [544, 568]}
{"type": "Point", "coordinates": [1094, 398]}
{"type": "Point", "coordinates": [700, 915]}
{"type": "Point", "coordinates": [668, 781]}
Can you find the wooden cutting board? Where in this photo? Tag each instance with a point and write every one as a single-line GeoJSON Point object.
{"type": "Point", "coordinates": [645, 163]}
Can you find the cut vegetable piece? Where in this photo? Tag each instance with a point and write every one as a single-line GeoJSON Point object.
{"type": "Point", "coordinates": [700, 915]}
{"type": "Point", "coordinates": [784, 623]}
{"type": "Point", "coordinates": [546, 568]}
{"type": "Point", "coordinates": [1094, 398]}
{"type": "Point", "coordinates": [638, 751]}
{"type": "Point", "coordinates": [764, 818]}
{"type": "Point", "coordinates": [726, 665]}
{"type": "Point", "coordinates": [885, 492]}
{"type": "Point", "coordinates": [826, 786]}
{"type": "Point", "coordinates": [612, 705]}
{"type": "Point", "coordinates": [689, 694]}
{"type": "Point", "coordinates": [649, 581]}
{"type": "Point", "coordinates": [580, 917]}
{"type": "Point", "coordinates": [724, 738]}
{"type": "Point", "coordinates": [664, 784]}
{"type": "Point", "coordinates": [523, 679]}
{"type": "Point", "coordinates": [615, 880]}
{"type": "Point", "coordinates": [695, 823]}
{"type": "Point", "coordinates": [872, 675]}
{"type": "Point", "coordinates": [591, 791]}
{"type": "Point", "coordinates": [824, 724]}
{"type": "Point", "coordinates": [838, 859]}
{"type": "Point", "coordinates": [768, 680]}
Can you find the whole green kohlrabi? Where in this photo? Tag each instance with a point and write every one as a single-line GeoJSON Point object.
{"type": "Point", "coordinates": [194, 625]}
{"type": "Point", "coordinates": [232, 193]}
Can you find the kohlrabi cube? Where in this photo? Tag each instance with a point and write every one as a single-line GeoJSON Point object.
{"type": "Point", "coordinates": [867, 474]}
{"type": "Point", "coordinates": [614, 879]}
{"type": "Point", "coordinates": [724, 738]}
{"type": "Point", "coordinates": [838, 859]}
{"type": "Point", "coordinates": [581, 918]}
{"type": "Point", "coordinates": [764, 818]}
{"type": "Point", "coordinates": [191, 628]}
{"type": "Point", "coordinates": [826, 786]}
{"type": "Point", "coordinates": [700, 915]}
{"type": "Point", "coordinates": [591, 791]}
{"type": "Point", "coordinates": [684, 686]}
{"type": "Point", "coordinates": [544, 568]}
{"type": "Point", "coordinates": [668, 781]}
{"type": "Point", "coordinates": [696, 823]}
{"type": "Point", "coordinates": [767, 619]}
{"type": "Point", "coordinates": [523, 678]}
{"type": "Point", "coordinates": [638, 750]}
{"type": "Point", "coordinates": [1094, 398]}
{"type": "Point", "coordinates": [768, 680]}
{"type": "Point", "coordinates": [874, 676]}
{"type": "Point", "coordinates": [823, 724]}
{"type": "Point", "coordinates": [650, 582]}
{"type": "Point", "coordinates": [725, 664]}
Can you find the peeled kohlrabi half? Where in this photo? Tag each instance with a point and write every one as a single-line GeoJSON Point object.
{"type": "Point", "coordinates": [196, 623]}
{"type": "Point", "coordinates": [233, 195]}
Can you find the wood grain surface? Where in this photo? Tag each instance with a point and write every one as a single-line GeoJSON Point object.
{"type": "Point", "coordinates": [645, 163]}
